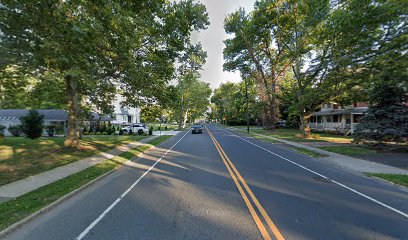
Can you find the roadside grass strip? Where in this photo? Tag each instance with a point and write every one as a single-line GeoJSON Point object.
{"type": "Point", "coordinates": [21, 157]}
{"type": "Point", "coordinates": [17, 209]}
{"type": "Point", "coordinates": [399, 179]}
{"type": "Point", "coordinates": [348, 150]}
{"type": "Point", "coordinates": [308, 152]}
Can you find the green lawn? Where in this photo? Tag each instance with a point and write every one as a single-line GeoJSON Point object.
{"type": "Point", "coordinates": [348, 150]}
{"type": "Point", "coordinates": [21, 207]}
{"type": "Point", "coordinates": [395, 178]}
{"type": "Point", "coordinates": [22, 157]}
{"type": "Point", "coordinates": [308, 152]}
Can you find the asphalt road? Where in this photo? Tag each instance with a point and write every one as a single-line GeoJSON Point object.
{"type": "Point", "coordinates": [222, 185]}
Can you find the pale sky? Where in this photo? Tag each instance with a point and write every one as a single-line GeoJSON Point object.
{"type": "Point", "coordinates": [212, 38]}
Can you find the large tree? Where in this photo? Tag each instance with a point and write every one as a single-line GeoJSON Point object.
{"type": "Point", "coordinates": [97, 47]}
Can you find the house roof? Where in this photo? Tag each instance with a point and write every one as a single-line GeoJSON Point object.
{"type": "Point", "coordinates": [49, 114]}
{"type": "Point", "coordinates": [359, 110]}
{"type": "Point", "coordinates": [95, 116]}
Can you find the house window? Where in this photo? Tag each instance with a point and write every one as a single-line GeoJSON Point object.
{"type": "Point", "coordinates": [319, 119]}
{"type": "Point", "coordinates": [356, 118]}
{"type": "Point", "coordinates": [336, 118]}
{"type": "Point", "coordinates": [129, 119]}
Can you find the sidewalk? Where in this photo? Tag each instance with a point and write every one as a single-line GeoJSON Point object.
{"type": "Point", "coordinates": [23, 186]}
{"type": "Point", "coordinates": [342, 161]}
{"type": "Point", "coordinates": [171, 132]}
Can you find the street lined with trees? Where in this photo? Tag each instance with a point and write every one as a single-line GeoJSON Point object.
{"type": "Point", "coordinates": [301, 54]}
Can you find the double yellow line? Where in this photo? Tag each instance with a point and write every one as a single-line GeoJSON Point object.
{"type": "Point", "coordinates": [238, 180]}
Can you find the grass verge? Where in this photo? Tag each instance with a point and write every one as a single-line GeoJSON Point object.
{"type": "Point", "coordinates": [22, 157]}
{"type": "Point", "coordinates": [348, 150]}
{"type": "Point", "coordinates": [308, 152]}
{"type": "Point", "coordinates": [17, 209]}
{"type": "Point", "coordinates": [395, 178]}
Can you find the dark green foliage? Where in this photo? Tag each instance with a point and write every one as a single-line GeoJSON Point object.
{"type": "Point", "coordinates": [50, 130]}
{"type": "Point", "coordinates": [85, 129]}
{"type": "Point", "coordinates": [2, 128]}
{"type": "Point", "coordinates": [387, 117]}
{"type": "Point", "coordinates": [158, 128]}
{"type": "Point", "coordinates": [15, 130]}
{"type": "Point", "coordinates": [130, 132]}
{"type": "Point", "coordinates": [151, 130]}
{"type": "Point", "coordinates": [110, 129]}
{"type": "Point", "coordinates": [140, 132]}
{"type": "Point", "coordinates": [32, 124]}
{"type": "Point", "coordinates": [165, 128]}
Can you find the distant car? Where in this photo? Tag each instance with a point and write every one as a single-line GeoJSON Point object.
{"type": "Point", "coordinates": [196, 128]}
{"type": "Point", "coordinates": [136, 128]}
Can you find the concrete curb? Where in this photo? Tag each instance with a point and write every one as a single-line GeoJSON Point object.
{"type": "Point", "coordinates": [47, 208]}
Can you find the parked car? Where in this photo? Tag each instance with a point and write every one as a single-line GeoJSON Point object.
{"type": "Point", "coordinates": [196, 128]}
{"type": "Point", "coordinates": [136, 128]}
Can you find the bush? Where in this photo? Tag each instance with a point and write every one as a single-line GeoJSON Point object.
{"type": "Point", "coordinates": [50, 130]}
{"type": "Point", "coordinates": [104, 133]}
{"type": "Point", "coordinates": [32, 124]}
{"type": "Point", "coordinates": [130, 132]}
{"type": "Point", "coordinates": [158, 128]}
{"type": "Point", "coordinates": [120, 132]}
{"type": "Point", "coordinates": [151, 130]}
{"type": "Point", "coordinates": [86, 133]}
{"type": "Point", "coordinates": [2, 128]}
{"type": "Point", "coordinates": [140, 132]}
{"type": "Point", "coordinates": [144, 134]}
{"type": "Point", "coordinates": [165, 128]}
{"type": "Point", "coordinates": [98, 133]}
{"type": "Point", "coordinates": [15, 130]}
{"type": "Point", "coordinates": [387, 117]}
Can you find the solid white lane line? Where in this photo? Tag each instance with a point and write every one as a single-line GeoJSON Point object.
{"type": "Point", "coordinates": [97, 220]}
{"type": "Point", "coordinates": [321, 175]}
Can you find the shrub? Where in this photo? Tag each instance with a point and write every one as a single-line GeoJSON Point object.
{"type": "Point", "coordinates": [165, 128]}
{"type": "Point", "coordinates": [2, 130]}
{"type": "Point", "coordinates": [130, 132]}
{"type": "Point", "coordinates": [151, 130]}
{"type": "Point", "coordinates": [50, 130]}
{"type": "Point", "coordinates": [86, 133]}
{"type": "Point", "coordinates": [114, 133]}
{"type": "Point", "coordinates": [144, 134]}
{"type": "Point", "coordinates": [32, 124]}
{"type": "Point", "coordinates": [387, 117]}
{"type": "Point", "coordinates": [158, 128]}
{"type": "Point", "coordinates": [104, 133]}
{"type": "Point", "coordinates": [120, 132]}
{"type": "Point", "coordinates": [140, 132]}
{"type": "Point", "coordinates": [15, 130]}
{"type": "Point", "coordinates": [98, 133]}
{"type": "Point", "coordinates": [85, 129]}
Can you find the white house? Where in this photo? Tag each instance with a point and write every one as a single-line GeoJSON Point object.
{"type": "Point", "coordinates": [122, 115]}
{"type": "Point", "coordinates": [335, 118]}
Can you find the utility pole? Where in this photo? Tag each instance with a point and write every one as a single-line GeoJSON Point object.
{"type": "Point", "coordinates": [246, 98]}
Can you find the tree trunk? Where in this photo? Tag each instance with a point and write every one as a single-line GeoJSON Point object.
{"type": "Point", "coordinates": [73, 134]}
{"type": "Point", "coordinates": [185, 119]}
{"type": "Point", "coordinates": [304, 125]}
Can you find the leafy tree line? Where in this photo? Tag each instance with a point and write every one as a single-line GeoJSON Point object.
{"type": "Point", "coordinates": [80, 52]}
{"type": "Point", "coordinates": [302, 54]}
